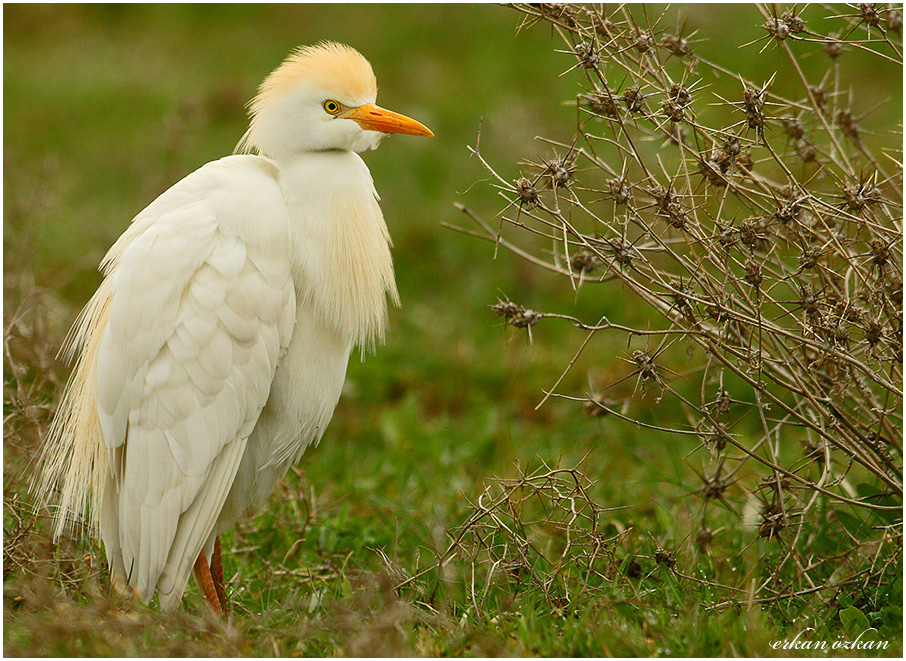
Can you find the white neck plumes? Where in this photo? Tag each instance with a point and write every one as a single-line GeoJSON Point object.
{"type": "Point", "coordinates": [341, 243]}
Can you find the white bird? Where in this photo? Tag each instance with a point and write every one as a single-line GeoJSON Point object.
{"type": "Point", "coordinates": [214, 352]}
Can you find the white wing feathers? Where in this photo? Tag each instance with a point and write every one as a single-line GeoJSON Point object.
{"type": "Point", "coordinates": [198, 320]}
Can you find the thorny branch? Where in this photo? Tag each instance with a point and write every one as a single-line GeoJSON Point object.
{"type": "Point", "coordinates": [763, 230]}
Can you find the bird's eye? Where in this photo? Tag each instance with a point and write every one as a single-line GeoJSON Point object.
{"type": "Point", "coordinates": [331, 107]}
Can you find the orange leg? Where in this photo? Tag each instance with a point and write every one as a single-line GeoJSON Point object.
{"type": "Point", "coordinates": [217, 575]}
{"type": "Point", "coordinates": [206, 583]}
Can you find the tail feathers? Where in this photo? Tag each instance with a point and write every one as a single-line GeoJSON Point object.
{"type": "Point", "coordinates": [74, 458]}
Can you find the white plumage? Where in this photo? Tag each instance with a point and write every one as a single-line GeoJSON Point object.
{"type": "Point", "coordinates": [215, 350]}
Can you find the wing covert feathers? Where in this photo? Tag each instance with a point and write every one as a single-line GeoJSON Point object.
{"type": "Point", "coordinates": [176, 354]}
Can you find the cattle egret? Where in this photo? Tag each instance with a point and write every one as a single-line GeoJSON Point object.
{"type": "Point", "coordinates": [215, 349]}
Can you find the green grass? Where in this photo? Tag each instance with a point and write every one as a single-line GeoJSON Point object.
{"type": "Point", "coordinates": [106, 106]}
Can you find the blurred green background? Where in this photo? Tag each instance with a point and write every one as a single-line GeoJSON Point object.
{"type": "Point", "coordinates": [106, 106]}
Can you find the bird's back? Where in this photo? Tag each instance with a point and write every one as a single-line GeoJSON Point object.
{"type": "Point", "coordinates": [177, 354]}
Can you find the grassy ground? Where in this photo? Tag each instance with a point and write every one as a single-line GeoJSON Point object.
{"type": "Point", "coordinates": [105, 107]}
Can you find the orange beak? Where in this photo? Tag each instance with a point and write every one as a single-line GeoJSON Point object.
{"type": "Point", "coordinates": [373, 118]}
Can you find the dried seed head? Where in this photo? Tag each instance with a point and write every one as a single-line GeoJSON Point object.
{"type": "Point", "coordinates": [623, 252]}
{"type": "Point", "coordinates": [506, 309]}
{"type": "Point", "coordinates": [806, 150]}
{"type": "Point", "coordinates": [753, 274]}
{"type": "Point", "coordinates": [848, 125]}
{"type": "Point", "coordinates": [673, 111]}
{"type": "Point", "coordinates": [665, 557]}
{"type": "Point", "coordinates": [819, 95]}
{"type": "Point", "coordinates": [880, 253]}
{"type": "Point", "coordinates": [772, 521]}
{"type": "Point", "coordinates": [712, 171]}
{"type": "Point", "coordinates": [793, 127]}
{"type": "Point", "coordinates": [833, 46]}
{"type": "Point", "coordinates": [559, 12]}
{"type": "Point", "coordinates": [526, 193]}
{"type": "Point", "coordinates": [809, 301]}
{"type": "Point", "coordinates": [634, 99]}
{"type": "Point", "coordinates": [870, 13]}
{"type": "Point", "coordinates": [602, 25]}
{"type": "Point", "coordinates": [669, 206]}
{"type": "Point", "coordinates": [777, 28]}
{"type": "Point", "coordinates": [675, 215]}
{"type": "Point", "coordinates": [525, 318]}
{"type": "Point", "coordinates": [713, 488]}
{"type": "Point", "coordinates": [787, 212]}
{"type": "Point", "coordinates": [587, 54]}
{"type": "Point", "coordinates": [849, 312]}
{"type": "Point", "coordinates": [730, 149]}
{"type": "Point", "coordinates": [679, 93]}
{"type": "Point", "coordinates": [642, 40]}
{"type": "Point", "coordinates": [681, 296]}
{"type": "Point", "coordinates": [585, 262]}
{"type": "Point", "coordinates": [858, 196]}
{"type": "Point", "coordinates": [750, 232]}
{"type": "Point", "coordinates": [728, 237]}
{"type": "Point", "coordinates": [794, 23]}
{"type": "Point", "coordinates": [753, 100]}
{"type": "Point", "coordinates": [659, 193]}
{"type": "Point", "coordinates": [704, 537]}
{"type": "Point", "coordinates": [874, 332]}
{"type": "Point", "coordinates": [619, 190]}
{"type": "Point", "coordinates": [809, 258]}
{"type": "Point", "coordinates": [645, 364]}
{"type": "Point", "coordinates": [723, 401]}
{"type": "Point", "coordinates": [713, 439]}
{"type": "Point", "coordinates": [559, 172]}
{"type": "Point", "coordinates": [516, 315]}
{"type": "Point", "coordinates": [676, 45]}
{"type": "Point", "coordinates": [602, 104]}
{"type": "Point", "coordinates": [676, 103]}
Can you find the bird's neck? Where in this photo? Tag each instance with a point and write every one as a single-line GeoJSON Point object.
{"type": "Point", "coordinates": [340, 243]}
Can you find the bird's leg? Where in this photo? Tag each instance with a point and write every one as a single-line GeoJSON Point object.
{"type": "Point", "coordinates": [217, 575]}
{"type": "Point", "coordinates": [206, 583]}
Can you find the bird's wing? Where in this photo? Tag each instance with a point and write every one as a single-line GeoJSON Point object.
{"type": "Point", "coordinates": [197, 321]}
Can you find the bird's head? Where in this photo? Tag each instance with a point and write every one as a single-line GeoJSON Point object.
{"type": "Point", "coordinates": [322, 97]}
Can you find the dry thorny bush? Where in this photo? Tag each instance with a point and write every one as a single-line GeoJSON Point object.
{"type": "Point", "coordinates": [766, 239]}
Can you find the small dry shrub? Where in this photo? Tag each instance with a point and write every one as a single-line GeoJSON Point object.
{"type": "Point", "coordinates": [540, 532]}
{"type": "Point", "coordinates": [763, 235]}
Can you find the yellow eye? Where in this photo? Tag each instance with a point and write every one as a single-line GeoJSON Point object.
{"type": "Point", "coordinates": [331, 107]}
